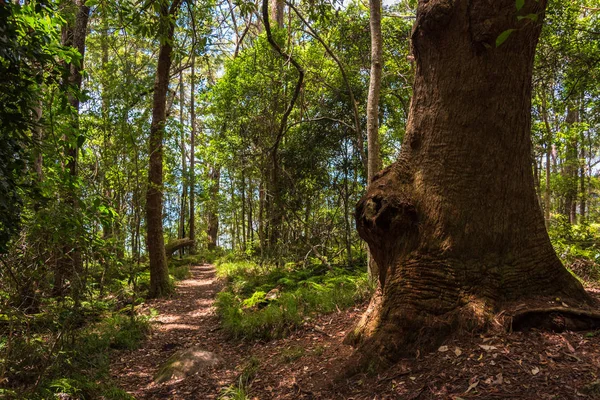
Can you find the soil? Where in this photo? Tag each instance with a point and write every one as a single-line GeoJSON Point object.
{"type": "Point", "coordinates": [308, 363]}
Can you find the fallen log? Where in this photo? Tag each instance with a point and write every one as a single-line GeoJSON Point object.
{"type": "Point", "coordinates": [177, 244]}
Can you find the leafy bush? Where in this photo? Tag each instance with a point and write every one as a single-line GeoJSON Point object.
{"type": "Point", "coordinates": [578, 246]}
{"type": "Point", "coordinates": [74, 362]}
{"type": "Point", "coordinates": [249, 307]}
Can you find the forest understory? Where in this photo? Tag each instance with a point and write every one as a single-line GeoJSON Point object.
{"type": "Point", "coordinates": [206, 199]}
{"type": "Point", "coordinates": [308, 364]}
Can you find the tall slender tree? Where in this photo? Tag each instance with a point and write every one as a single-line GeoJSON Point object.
{"type": "Point", "coordinates": [159, 273]}
{"type": "Point", "coordinates": [374, 156]}
{"type": "Point", "coordinates": [74, 35]}
{"type": "Point", "coordinates": [192, 171]}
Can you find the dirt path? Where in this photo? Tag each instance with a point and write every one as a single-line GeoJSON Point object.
{"type": "Point", "coordinates": [187, 319]}
{"type": "Point", "coordinates": [519, 365]}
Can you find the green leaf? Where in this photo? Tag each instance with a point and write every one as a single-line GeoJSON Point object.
{"type": "Point", "coordinates": [91, 3]}
{"type": "Point", "coordinates": [503, 36]}
{"type": "Point", "coordinates": [519, 4]}
{"type": "Point", "coordinates": [533, 17]}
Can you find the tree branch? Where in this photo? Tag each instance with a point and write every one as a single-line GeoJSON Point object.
{"type": "Point", "coordinates": [275, 46]}
{"type": "Point", "coordinates": [356, 128]}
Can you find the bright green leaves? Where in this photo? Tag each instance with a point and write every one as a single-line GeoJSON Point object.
{"type": "Point", "coordinates": [503, 36]}
{"type": "Point", "coordinates": [532, 17]}
{"type": "Point", "coordinates": [246, 8]}
{"type": "Point", "coordinates": [519, 4]}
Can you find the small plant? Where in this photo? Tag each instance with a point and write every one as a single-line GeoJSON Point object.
{"type": "Point", "coordinates": [234, 392]}
{"type": "Point", "coordinates": [319, 350]}
{"type": "Point", "coordinates": [291, 354]}
{"type": "Point", "coordinates": [240, 390]}
{"type": "Point", "coordinates": [250, 370]}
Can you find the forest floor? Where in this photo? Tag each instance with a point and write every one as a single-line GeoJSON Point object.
{"type": "Point", "coordinates": [517, 365]}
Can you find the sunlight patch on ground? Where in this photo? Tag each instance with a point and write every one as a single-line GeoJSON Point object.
{"type": "Point", "coordinates": [182, 327]}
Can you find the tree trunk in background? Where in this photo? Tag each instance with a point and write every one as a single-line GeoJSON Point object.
{"type": "Point", "coordinates": [193, 155]}
{"type": "Point", "coordinates": [243, 201]}
{"type": "Point", "coordinates": [184, 177]}
{"type": "Point", "coordinates": [571, 168]}
{"type": "Point", "coordinates": [38, 136]}
{"type": "Point", "coordinates": [274, 206]}
{"type": "Point", "coordinates": [159, 273]}
{"type": "Point", "coordinates": [261, 218]}
{"type": "Point", "coordinates": [212, 230]}
{"type": "Point", "coordinates": [583, 189]}
{"type": "Point", "coordinates": [547, 192]}
{"type": "Point", "coordinates": [276, 7]}
{"type": "Point", "coordinates": [374, 157]}
{"type": "Point", "coordinates": [250, 234]}
{"type": "Point", "coordinates": [454, 223]}
{"type": "Point", "coordinates": [71, 263]}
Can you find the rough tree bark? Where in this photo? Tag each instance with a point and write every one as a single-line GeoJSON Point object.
{"type": "Point", "coordinates": [159, 273]}
{"type": "Point", "coordinates": [454, 223]}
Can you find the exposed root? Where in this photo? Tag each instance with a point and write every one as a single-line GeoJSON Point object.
{"type": "Point", "coordinates": [365, 325]}
{"type": "Point", "coordinates": [556, 319]}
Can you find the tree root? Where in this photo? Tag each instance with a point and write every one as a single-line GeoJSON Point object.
{"type": "Point", "coordinates": [556, 319]}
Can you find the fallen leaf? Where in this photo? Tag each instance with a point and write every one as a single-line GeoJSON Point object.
{"type": "Point", "coordinates": [472, 386]}
{"type": "Point", "coordinates": [443, 349]}
{"type": "Point", "coordinates": [499, 379]}
{"type": "Point", "coordinates": [487, 347]}
{"type": "Point", "coordinates": [535, 371]}
{"type": "Point", "coordinates": [457, 351]}
{"type": "Point", "coordinates": [569, 346]}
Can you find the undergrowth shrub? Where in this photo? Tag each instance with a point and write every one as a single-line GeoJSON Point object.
{"type": "Point", "coordinates": [67, 361]}
{"type": "Point", "coordinates": [265, 302]}
{"type": "Point", "coordinates": [578, 246]}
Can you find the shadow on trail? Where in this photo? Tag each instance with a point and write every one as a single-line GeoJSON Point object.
{"type": "Point", "coordinates": [185, 320]}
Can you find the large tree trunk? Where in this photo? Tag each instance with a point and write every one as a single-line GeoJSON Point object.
{"type": "Point", "coordinates": [159, 273]}
{"type": "Point", "coordinates": [454, 223]}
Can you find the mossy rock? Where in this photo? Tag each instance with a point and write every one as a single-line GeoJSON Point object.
{"type": "Point", "coordinates": [187, 362]}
